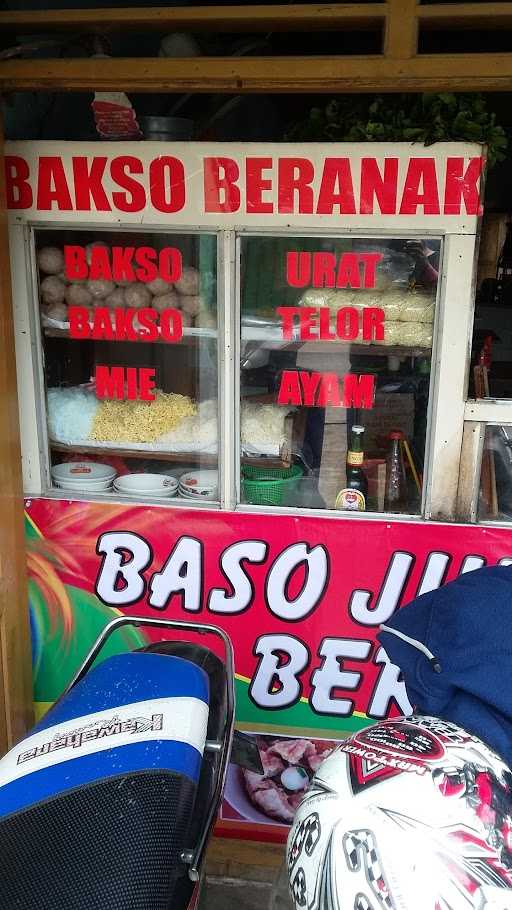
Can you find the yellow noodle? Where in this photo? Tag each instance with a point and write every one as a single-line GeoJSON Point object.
{"type": "Point", "coordinates": [140, 421]}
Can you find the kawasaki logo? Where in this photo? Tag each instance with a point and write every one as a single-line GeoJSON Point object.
{"type": "Point", "coordinates": [74, 739]}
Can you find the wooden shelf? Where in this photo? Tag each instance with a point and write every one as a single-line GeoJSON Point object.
{"type": "Point", "coordinates": [126, 452]}
{"type": "Point", "coordinates": [189, 340]}
{"type": "Point", "coordinates": [320, 346]}
{"type": "Point", "coordinates": [204, 458]}
{"type": "Point", "coordinates": [392, 350]}
{"type": "Point", "coordinates": [354, 350]}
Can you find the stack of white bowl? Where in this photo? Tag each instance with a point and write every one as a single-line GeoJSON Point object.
{"type": "Point", "coordinates": [146, 486]}
{"type": "Point", "coordinates": [199, 485]}
{"type": "Point", "coordinates": [83, 476]}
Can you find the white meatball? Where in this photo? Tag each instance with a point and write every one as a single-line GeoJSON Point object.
{"type": "Point", "coordinates": [90, 246]}
{"type": "Point", "coordinates": [189, 281]}
{"type": "Point", "coordinates": [191, 303]}
{"type": "Point", "coordinates": [316, 297]}
{"type": "Point", "coordinates": [50, 260]}
{"type": "Point", "coordinates": [205, 319]}
{"type": "Point", "coordinates": [58, 311]}
{"type": "Point", "coordinates": [186, 319]}
{"type": "Point", "coordinates": [78, 295]}
{"type": "Point", "coordinates": [158, 286]}
{"type": "Point", "coordinates": [294, 779]}
{"type": "Point", "coordinates": [116, 299]}
{"type": "Point", "coordinates": [137, 296]}
{"type": "Point", "coordinates": [52, 289]}
{"type": "Point", "coordinates": [169, 301]}
{"type": "Point", "coordinates": [100, 288]}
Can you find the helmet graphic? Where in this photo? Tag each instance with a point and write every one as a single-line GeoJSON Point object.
{"type": "Point", "coordinates": [409, 814]}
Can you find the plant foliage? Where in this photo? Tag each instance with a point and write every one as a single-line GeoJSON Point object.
{"type": "Point", "coordinates": [424, 118]}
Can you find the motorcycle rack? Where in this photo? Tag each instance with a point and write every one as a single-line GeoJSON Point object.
{"type": "Point", "coordinates": [192, 858]}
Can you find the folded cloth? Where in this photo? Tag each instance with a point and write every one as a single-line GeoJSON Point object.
{"type": "Point", "coordinates": [454, 648]}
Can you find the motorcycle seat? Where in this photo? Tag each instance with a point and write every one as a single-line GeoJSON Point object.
{"type": "Point", "coordinates": [96, 804]}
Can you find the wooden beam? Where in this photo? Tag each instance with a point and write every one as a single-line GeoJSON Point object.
{"type": "Point", "coordinates": [465, 16]}
{"type": "Point", "coordinates": [247, 18]}
{"type": "Point", "coordinates": [473, 440]}
{"type": "Point", "coordinates": [15, 663]}
{"type": "Point", "coordinates": [229, 858]}
{"type": "Point", "coordinates": [401, 34]}
{"type": "Point", "coordinates": [428, 72]}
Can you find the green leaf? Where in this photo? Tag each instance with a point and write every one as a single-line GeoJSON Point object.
{"type": "Point", "coordinates": [429, 118]}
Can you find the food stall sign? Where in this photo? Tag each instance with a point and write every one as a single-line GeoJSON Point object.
{"type": "Point", "coordinates": [301, 601]}
{"type": "Point", "coordinates": [301, 596]}
{"type": "Point", "coordinates": [399, 185]}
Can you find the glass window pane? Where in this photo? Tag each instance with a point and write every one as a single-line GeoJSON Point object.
{"type": "Point", "coordinates": [495, 495]}
{"type": "Point", "coordinates": [336, 339]}
{"type": "Point", "coordinates": [129, 330]}
{"type": "Point", "coordinates": [492, 330]}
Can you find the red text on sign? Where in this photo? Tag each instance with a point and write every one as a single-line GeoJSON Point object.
{"type": "Point", "coordinates": [291, 186]}
{"type": "Point", "coordinates": [347, 324]}
{"type": "Point", "coordinates": [117, 325]}
{"type": "Point", "coordinates": [325, 270]}
{"type": "Point", "coordinates": [120, 263]}
{"type": "Point", "coordinates": [287, 185]}
{"type": "Point", "coordinates": [322, 390]}
{"type": "Point", "coordinates": [125, 383]}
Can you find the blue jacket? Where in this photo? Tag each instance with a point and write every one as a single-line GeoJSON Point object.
{"type": "Point", "coordinates": [454, 648]}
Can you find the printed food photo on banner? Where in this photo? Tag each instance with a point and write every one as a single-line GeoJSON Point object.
{"type": "Point", "coordinates": [288, 767]}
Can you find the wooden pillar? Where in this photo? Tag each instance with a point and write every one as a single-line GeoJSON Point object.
{"type": "Point", "coordinates": [401, 32]}
{"type": "Point", "coordinates": [15, 662]}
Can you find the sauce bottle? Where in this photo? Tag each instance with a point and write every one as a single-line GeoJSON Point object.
{"type": "Point", "coordinates": [395, 497]}
{"type": "Point", "coordinates": [352, 497]}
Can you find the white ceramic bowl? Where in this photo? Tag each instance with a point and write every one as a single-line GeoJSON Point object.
{"type": "Point", "coordinates": [200, 480]}
{"type": "Point", "coordinates": [83, 481]}
{"type": "Point", "coordinates": [207, 496]}
{"type": "Point", "coordinates": [148, 494]}
{"type": "Point", "coordinates": [146, 484]}
{"type": "Point", "coordinates": [99, 486]}
{"type": "Point", "coordinates": [82, 470]}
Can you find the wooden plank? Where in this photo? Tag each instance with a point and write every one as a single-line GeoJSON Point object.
{"type": "Point", "coordinates": [429, 72]}
{"type": "Point", "coordinates": [256, 18]}
{"type": "Point", "coordinates": [492, 410]}
{"type": "Point", "coordinates": [465, 16]}
{"type": "Point", "coordinates": [127, 452]}
{"type": "Point", "coordinates": [469, 476]}
{"type": "Point", "coordinates": [15, 660]}
{"type": "Point", "coordinates": [244, 18]}
{"type": "Point", "coordinates": [488, 471]}
{"type": "Point", "coordinates": [401, 34]}
{"type": "Point", "coordinates": [231, 858]}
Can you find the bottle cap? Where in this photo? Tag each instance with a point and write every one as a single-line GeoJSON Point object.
{"type": "Point", "coordinates": [396, 434]}
{"type": "Point", "coordinates": [357, 429]}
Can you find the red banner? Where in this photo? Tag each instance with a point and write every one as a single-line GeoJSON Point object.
{"type": "Point", "coordinates": [301, 598]}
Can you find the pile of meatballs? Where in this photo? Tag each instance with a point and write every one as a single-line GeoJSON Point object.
{"type": "Point", "coordinates": [57, 292]}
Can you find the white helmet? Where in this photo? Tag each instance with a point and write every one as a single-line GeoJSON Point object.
{"type": "Point", "coordinates": [409, 814]}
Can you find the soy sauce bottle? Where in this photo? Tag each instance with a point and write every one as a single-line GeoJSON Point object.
{"type": "Point", "coordinates": [352, 498]}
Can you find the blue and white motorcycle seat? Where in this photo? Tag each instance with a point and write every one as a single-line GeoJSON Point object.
{"type": "Point", "coordinates": [96, 802]}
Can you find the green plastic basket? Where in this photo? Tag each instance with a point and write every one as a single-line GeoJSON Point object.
{"type": "Point", "coordinates": [267, 486]}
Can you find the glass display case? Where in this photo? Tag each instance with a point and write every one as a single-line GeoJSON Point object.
{"type": "Point", "coordinates": [220, 327]}
{"type": "Point", "coordinates": [336, 332]}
